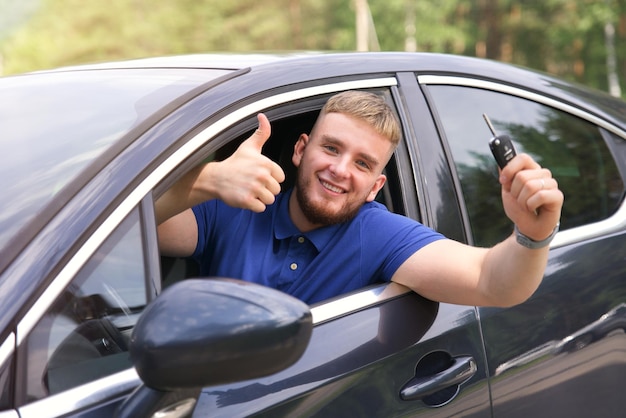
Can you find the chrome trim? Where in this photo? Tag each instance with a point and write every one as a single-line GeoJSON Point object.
{"type": "Point", "coordinates": [179, 409]}
{"type": "Point", "coordinates": [614, 224]}
{"type": "Point", "coordinates": [90, 394]}
{"type": "Point", "coordinates": [345, 305]}
{"type": "Point", "coordinates": [515, 91]}
{"type": "Point", "coordinates": [104, 230]}
{"type": "Point", "coordinates": [7, 348]}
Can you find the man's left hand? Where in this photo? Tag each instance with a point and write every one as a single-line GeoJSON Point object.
{"type": "Point", "coordinates": [531, 197]}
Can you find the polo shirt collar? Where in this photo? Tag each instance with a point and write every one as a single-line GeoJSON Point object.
{"type": "Point", "coordinates": [285, 228]}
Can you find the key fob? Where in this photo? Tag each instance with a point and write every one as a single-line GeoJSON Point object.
{"type": "Point", "coordinates": [501, 145]}
{"type": "Point", "coordinates": [502, 149]}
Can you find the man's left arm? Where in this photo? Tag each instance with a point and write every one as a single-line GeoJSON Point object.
{"type": "Point", "coordinates": [508, 273]}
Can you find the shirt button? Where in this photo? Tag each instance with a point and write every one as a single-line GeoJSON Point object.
{"type": "Point", "coordinates": [293, 266]}
{"type": "Point", "coordinates": [301, 240]}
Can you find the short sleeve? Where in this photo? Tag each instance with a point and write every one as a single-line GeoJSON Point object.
{"type": "Point", "coordinates": [396, 236]}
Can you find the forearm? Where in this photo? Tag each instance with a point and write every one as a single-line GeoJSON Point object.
{"type": "Point", "coordinates": [184, 194]}
{"type": "Point", "coordinates": [511, 272]}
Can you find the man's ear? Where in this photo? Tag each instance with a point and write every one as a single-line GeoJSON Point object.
{"type": "Point", "coordinates": [380, 182]}
{"type": "Point", "coordinates": [298, 149]}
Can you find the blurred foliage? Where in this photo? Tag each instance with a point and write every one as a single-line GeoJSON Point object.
{"type": "Point", "coordinates": [563, 37]}
{"type": "Point", "coordinates": [13, 12]}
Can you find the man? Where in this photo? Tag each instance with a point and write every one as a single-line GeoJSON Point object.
{"type": "Point", "coordinates": [328, 235]}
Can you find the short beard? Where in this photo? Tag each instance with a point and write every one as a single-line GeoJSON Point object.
{"type": "Point", "coordinates": [318, 214]}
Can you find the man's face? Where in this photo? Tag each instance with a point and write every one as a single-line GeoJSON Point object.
{"type": "Point", "coordinates": [339, 169]}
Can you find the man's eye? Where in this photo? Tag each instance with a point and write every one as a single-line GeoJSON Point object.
{"type": "Point", "coordinates": [363, 164]}
{"type": "Point", "coordinates": [331, 148]}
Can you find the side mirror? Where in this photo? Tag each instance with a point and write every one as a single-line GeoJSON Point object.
{"type": "Point", "coordinates": [203, 332]}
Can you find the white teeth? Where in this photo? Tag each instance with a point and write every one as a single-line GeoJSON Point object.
{"type": "Point", "coordinates": [332, 188]}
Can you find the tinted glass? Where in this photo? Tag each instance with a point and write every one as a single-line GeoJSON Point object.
{"type": "Point", "coordinates": [570, 147]}
{"type": "Point", "coordinates": [85, 334]}
{"type": "Point", "coordinates": [54, 124]}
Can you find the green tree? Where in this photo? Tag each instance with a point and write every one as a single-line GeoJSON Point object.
{"type": "Point", "coordinates": [563, 37]}
{"type": "Point", "coordinates": [66, 32]}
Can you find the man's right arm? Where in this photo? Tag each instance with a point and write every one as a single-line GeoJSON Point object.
{"type": "Point", "coordinates": [178, 235]}
{"type": "Point", "coordinates": [181, 196]}
{"type": "Point", "coordinates": [247, 179]}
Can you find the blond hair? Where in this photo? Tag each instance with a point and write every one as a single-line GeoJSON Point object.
{"type": "Point", "coordinates": [369, 107]}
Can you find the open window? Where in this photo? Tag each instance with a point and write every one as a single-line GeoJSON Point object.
{"type": "Point", "coordinates": [288, 121]}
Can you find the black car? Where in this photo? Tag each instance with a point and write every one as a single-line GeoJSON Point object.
{"type": "Point", "coordinates": [86, 150]}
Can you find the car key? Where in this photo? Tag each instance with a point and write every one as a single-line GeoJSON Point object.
{"type": "Point", "coordinates": [501, 145]}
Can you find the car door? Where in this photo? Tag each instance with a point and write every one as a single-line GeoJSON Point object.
{"type": "Point", "coordinates": [561, 352]}
{"type": "Point", "coordinates": [380, 351]}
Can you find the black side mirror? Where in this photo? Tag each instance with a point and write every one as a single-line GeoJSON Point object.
{"type": "Point", "coordinates": [203, 332]}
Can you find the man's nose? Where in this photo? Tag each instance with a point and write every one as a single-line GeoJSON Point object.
{"type": "Point", "coordinates": [340, 167]}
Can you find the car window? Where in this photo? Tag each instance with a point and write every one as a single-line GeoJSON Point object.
{"type": "Point", "coordinates": [279, 148]}
{"type": "Point", "coordinates": [287, 124]}
{"type": "Point", "coordinates": [84, 335]}
{"type": "Point", "coordinates": [572, 148]}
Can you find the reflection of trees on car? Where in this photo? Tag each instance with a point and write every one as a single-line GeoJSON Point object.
{"type": "Point", "coordinates": [569, 148]}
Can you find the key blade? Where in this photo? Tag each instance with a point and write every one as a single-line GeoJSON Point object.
{"type": "Point", "coordinates": [491, 128]}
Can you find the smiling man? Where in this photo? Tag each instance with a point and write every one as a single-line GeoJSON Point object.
{"type": "Point", "coordinates": [328, 236]}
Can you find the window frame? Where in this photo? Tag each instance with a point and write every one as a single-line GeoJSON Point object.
{"type": "Point", "coordinates": [282, 105]}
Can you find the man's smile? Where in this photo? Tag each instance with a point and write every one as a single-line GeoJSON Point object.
{"type": "Point", "coordinates": [331, 187]}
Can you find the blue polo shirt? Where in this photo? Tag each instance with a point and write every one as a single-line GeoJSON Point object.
{"type": "Point", "coordinates": [268, 249]}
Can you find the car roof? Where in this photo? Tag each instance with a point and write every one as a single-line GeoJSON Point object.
{"type": "Point", "coordinates": [306, 63]}
{"type": "Point", "coordinates": [224, 61]}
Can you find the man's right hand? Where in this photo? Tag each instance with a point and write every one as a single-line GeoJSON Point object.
{"type": "Point", "coordinates": [247, 179]}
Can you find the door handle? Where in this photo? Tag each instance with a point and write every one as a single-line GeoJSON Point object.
{"type": "Point", "coordinates": [461, 369]}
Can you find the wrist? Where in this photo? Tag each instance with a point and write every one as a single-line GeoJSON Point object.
{"type": "Point", "coordinates": [204, 183]}
{"type": "Point", "coordinates": [532, 244]}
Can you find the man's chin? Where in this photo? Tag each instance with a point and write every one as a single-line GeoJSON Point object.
{"type": "Point", "coordinates": [324, 215]}
{"type": "Point", "coordinates": [324, 211]}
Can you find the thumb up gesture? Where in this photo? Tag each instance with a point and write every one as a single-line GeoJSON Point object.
{"type": "Point", "coordinates": [248, 179]}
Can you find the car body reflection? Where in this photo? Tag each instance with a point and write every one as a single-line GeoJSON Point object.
{"type": "Point", "coordinates": [607, 323]}
{"type": "Point", "coordinates": [614, 319]}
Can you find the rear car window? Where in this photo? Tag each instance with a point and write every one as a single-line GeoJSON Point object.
{"type": "Point", "coordinates": [572, 148]}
